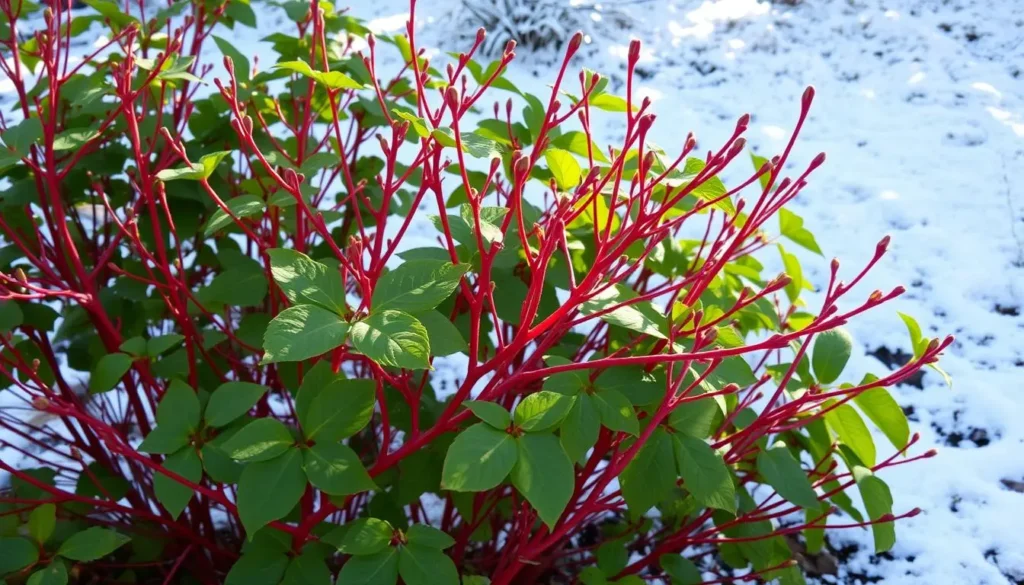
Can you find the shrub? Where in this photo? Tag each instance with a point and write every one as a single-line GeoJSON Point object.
{"type": "Point", "coordinates": [225, 361]}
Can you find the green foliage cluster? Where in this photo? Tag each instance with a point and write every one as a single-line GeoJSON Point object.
{"type": "Point", "coordinates": [241, 370]}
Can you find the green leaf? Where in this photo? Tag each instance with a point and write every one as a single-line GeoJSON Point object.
{"type": "Point", "coordinates": [73, 139]}
{"type": "Point", "coordinates": [238, 60]}
{"type": "Point", "coordinates": [314, 381]}
{"type": "Point", "coordinates": [579, 143]}
{"type": "Point", "coordinates": [23, 135]}
{"type": "Point", "coordinates": [832, 350]}
{"type": "Point", "coordinates": [796, 274]}
{"type": "Point", "coordinates": [377, 569]}
{"type": "Point", "coordinates": [260, 440]}
{"type": "Point", "coordinates": [417, 285]}
{"type": "Point", "coordinates": [304, 280]}
{"type": "Point", "coordinates": [10, 316]}
{"type": "Point", "coordinates": [309, 568]}
{"type": "Point", "coordinates": [18, 554]}
{"type": "Point", "coordinates": [92, 544]}
{"type": "Point", "coordinates": [445, 337]}
{"type": "Point", "coordinates": [778, 467]}
{"type": "Point", "coordinates": [651, 476]}
{"type": "Point", "coordinates": [704, 473]}
{"type": "Point", "coordinates": [478, 459]}
{"type": "Point", "coordinates": [616, 411]}
{"type": "Point", "coordinates": [814, 537]}
{"type": "Point", "coordinates": [231, 400]}
{"type": "Point", "coordinates": [542, 410]}
{"type": "Point", "coordinates": [340, 410]}
{"type": "Point", "coordinates": [240, 207]}
{"type": "Point", "coordinates": [393, 338]}
{"type": "Point", "coordinates": [759, 161]}
{"type": "Point", "coordinates": [428, 536]}
{"type": "Point", "coordinates": [792, 227]}
{"type": "Point", "coordinates": [612, 557]}
{"type": "Point", "coordinates": [109, 371]}
{"type": "Point", "coordinates": [491, 413]}
{"type": "Point", "coordinates": [564, 167]}
{"type": "Point", "coordinates": [161, 343]}
{"type": "Point", "coordinates": [544, 475]}
{"type": "Point", "coordinates": [302, 332]}
{"type": "Point", "coordinates": [173, 495]}
{"type": "Point", "coordinates": [335, 469]}
{"type": "Point", "coordinates": [491, 219]}
{"type": "Point", "coordinates": [887, 415]}
{"type": "Point", "coordinates": [331, 79]}
{"type": "Point", "coordinates": [41, 522]}
{"type": "Point", "coordinates": [640, 316]}
{"type": "Point", "coordinates": [268, 490]}
{"type": "Point", "coordinates": [878, 502]}
{"type": "Point", "coordinates": [164, 440]}
{"type": "Point", "coordinates": [423, 565]}
{"type": "Point", "coordinates": [53, 574]}
{"type": "Point", "coordinates": [681, 570]}
{"type": "Point", "coordinates": [367, 536]}
{"type": "Point", "coordinates": [243, 285]}
{"type": "Point", "coordinates": [477, 146]}
{"type": "Point", "coordinates": [198, 171]}
{"type": "Point", "coordinates": [694, 417]}
{"type": "Point", "coordinates": [581, 427]}
{"type": "Point", "coordinates": [918, 342]}
{"type": "Point", "coordinates": [258, 567]}
{"type": "Point", "coordinates": [593, 576]}
{"type": "Point", "coordinates": [177, 416]}
{"type": "Point", "coordinates": [852, 432]}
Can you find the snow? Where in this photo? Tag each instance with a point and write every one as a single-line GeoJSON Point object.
{"type": "Point", "coordinates": [920, 107]}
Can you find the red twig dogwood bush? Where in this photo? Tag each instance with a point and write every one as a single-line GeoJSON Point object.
{"type": "Point", "coordinates": [317, 322]}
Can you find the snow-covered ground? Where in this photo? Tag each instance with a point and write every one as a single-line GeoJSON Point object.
{"type": "Point", "coordinates": [920, 107]}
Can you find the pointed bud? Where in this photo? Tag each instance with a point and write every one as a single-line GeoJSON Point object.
{"type": "Point", "coordinates": [899, 290]}
{"type": "Point", "coordinates": [634, 50]}
{"type": "Point", "coordinates": [883, 246]}
{"type": "Point", "coordinates": [742, 123]}
{"type": "Point", "coordinates": [575, 42]}
{"type": "Point", "coordinates": [481, 34]}
{"type": "Point", "coordinates": [710, 336]}
{"type": "Point", "coordinates": [930, 453]}
{"type": "Point", "coordinates": [371, 41]}
{"type": "Point", "coordinates": [452, 97]}
{"type": "Point", "coordinates": [817, 162]}
{"type": "Point", "coordinates": [645, 122]}
{"type": "Point", "coordinates": [737, 147]}
{"type": "Point", "coordinates": [835, 264]}
{"type": "Point", "coordinates": [510, 48]}
{"type": "Point", "coordinates": [875, 296]}
{"type": "Point", "coordinates": [731, 388]}
{"type": "Point", "coordinates": [808, 97]}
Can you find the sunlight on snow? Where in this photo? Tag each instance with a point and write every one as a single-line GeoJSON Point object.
{"type": "Point", "coordinates": [701, 21]}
